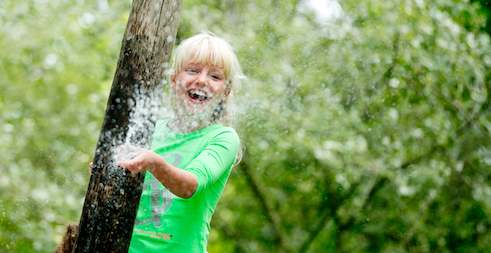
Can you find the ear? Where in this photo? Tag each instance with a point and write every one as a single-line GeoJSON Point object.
{"type": "Point", "coordinates": [173, 81]}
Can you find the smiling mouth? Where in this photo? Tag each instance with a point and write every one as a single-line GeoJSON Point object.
{"type": "Point", "coordinates": [198, 95]}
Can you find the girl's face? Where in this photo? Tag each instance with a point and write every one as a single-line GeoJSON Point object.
{"type": "Point", "coordinates": [199, 88]}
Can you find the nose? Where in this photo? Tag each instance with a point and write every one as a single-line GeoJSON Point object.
{"type": "Point", "coordinates": [202, 78]}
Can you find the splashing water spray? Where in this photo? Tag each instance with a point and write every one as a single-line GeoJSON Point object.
{"type": "Point", "coordinates": [113, 194]}
{"type": "Point", "coordinates": [147, 107]}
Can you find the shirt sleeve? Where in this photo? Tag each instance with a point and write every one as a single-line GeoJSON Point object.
{"type": "Point", "coordinates": [217, 158]}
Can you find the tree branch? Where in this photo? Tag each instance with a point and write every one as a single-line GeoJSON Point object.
{"type": "Point", "coordinates": [332, 211]}
{"type": "Point", "coordinates": [437, 148]}
{"type": "Point", "coordinates": [238, 248]}
{"type": "Point", "coordinates": [271, 215]}
{"type": "Point", "coordinates": [389, 72]}
{"type": "Point", "coordinates": [380, 182]}
{"type": "Point", "coordinates": [329, 207]}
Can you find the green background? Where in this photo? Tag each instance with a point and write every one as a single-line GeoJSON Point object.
{"type": "Point", "coordinates": [369, 132]}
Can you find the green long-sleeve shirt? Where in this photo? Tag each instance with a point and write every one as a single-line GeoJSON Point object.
{"type": "Point", "coordinates": [166, 223]}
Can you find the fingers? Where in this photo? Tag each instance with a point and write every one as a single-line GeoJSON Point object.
{"type": "Point", "coordinates": [134, 166]}
{"type": "Point", "coordinates": [141, 161]}
{"type": "Point", "coordinates": [90, 167]}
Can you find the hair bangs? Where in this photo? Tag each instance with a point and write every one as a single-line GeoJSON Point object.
{"type": "Point", "coordinates": [208, 50]}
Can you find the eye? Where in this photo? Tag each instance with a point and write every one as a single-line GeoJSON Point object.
{"type": "Point", "coordinates": [216, 77]}
{"type": "Point", "coordinates": [191, 70]}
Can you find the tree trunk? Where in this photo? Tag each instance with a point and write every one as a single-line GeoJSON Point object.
{"type": "Point", "coordinates": [113, 194]}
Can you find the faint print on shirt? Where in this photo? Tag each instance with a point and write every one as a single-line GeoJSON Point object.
{"type": "Point", "coordinates": [161, 197]}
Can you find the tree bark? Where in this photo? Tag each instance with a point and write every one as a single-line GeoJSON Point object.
{"type": "Point", "coordinates": [113, 194]}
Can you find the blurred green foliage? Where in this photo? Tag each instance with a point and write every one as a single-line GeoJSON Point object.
{"type": "Point", "coordinates": [369, 132]}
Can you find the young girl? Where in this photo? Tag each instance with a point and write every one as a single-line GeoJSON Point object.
{"type": "Point", "coordinates": [192, 154]}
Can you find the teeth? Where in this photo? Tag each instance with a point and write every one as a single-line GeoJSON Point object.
{"type": "Point", "coordinates": [198, 94]}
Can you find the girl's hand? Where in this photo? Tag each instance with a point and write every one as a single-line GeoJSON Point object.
{"type": "Point", "coordinates": [146, 160]}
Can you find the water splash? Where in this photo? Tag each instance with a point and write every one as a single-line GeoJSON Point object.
{"type": "Point", "coordinates": [146, 107]}
{"type": "Point", "coordinates": [127, 152]}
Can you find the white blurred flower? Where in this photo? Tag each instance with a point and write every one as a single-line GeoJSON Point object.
{"type": "Point", "coordinates": [86, 19]}
{"type": "Point", "coordinates": [393, 114]}
{"type": "Point", "coordinates": [50, 60]}
{"type": "Point", "coordinates": [406, 190]}
{"type": "Point", "coordinates": [417, 133]}
{"type": "Point", "coordinates": [394, 83]}
{"type": "Point", "coordinates": [324, 10]}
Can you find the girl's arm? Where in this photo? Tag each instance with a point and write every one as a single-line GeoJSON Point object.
{"type": "Point", "coordinates": [180, 182]}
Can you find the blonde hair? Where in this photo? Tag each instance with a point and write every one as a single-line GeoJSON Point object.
{"type": "Point", "coordinates": [209, 49]}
